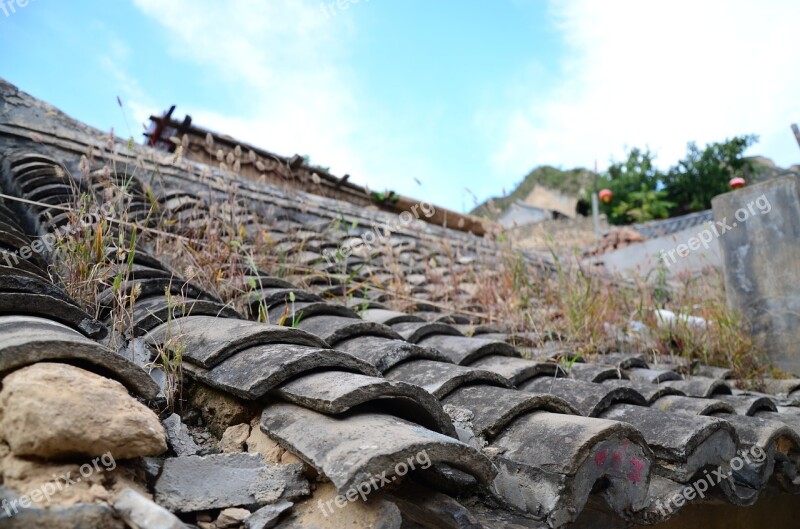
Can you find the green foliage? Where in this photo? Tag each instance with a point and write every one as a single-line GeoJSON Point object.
{"type": "Point", "coordinates": [643, 205]}
{"type": "Point", "coordinates": [705, 173]}
{"type": "Point", "coordinates": [635, 184]}
{"type": "Point", "coordinates": [387, 197]}
{"type": "Point", "coordinates": [642, 192]}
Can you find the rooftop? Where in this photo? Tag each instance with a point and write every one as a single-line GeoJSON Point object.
{"type": "Point", "coordinates": [248, 351]}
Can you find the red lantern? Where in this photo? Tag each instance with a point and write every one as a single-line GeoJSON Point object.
{"type": "Point", "coordinates": [605, 196]}
{"type": "Point", "coordinates": [736, 182]}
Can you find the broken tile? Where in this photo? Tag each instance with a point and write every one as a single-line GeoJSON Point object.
{"type": "Point", "coordinates": [196, 483]}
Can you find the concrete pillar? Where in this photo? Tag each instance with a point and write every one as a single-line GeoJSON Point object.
{"type": "Point", "coordinates": [759, 235]}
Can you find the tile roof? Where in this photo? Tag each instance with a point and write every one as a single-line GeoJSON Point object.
{"type": "Point", "coordinates": [660, 228]}
{"type": "Point", "coordinates": [355, 388]}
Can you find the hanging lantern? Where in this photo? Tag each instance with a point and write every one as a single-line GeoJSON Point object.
{"type": "Point", "coordinates": [737, 182]}
{"type": "Point", "coordinates": [605, 196]}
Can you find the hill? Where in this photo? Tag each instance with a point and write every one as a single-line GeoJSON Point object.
{"type": "Point", "coordinates": [571, 182]}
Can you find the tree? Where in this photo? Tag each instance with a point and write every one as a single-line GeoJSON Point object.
{"type": "Point", "coordinates": [705, 173]}
{"type": "Point", "coordinates": [636, 185]}
{"type": "Point", "coordinates": [643, 205]}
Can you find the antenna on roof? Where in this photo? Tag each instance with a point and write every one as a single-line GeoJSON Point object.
{"type": "Point", "coordinates": [595, 212]}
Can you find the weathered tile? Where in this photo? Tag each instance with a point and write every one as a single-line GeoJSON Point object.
{"type": "Point", "coordinates": [251, 373]}
{"type": "Point", "coordinates": [439, 378]}
{"type": "Point", "coordinates": [206, 341]}
{"type": "Point", "coordinates": [353, 448]}
{"type": "Point", "coordinates": [335, 392]}
{"type": "Point", "coordinates": [194, 483]}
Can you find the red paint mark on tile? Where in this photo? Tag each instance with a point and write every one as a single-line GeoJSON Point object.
{"type": "Point", "coordinates": [635, 475]}
{"type": "Point", "coordinates": [616, 459]}
{"type": "Point", "coordinates": [600, 457]}
{"type": "Point", "coordinates": [626, 443]}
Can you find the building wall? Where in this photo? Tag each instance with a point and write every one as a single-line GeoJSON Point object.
{"type": "Point", "coordinates": [546, 198]}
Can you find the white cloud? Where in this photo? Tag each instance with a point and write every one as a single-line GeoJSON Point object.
{"type": "Point", "coordinates": [285, 61]}
{"type": "Point", "coordinates": [660, 74]}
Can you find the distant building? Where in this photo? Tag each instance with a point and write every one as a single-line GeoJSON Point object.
{"type": "Point", "coordinates": [521, 214]}
{"type": "Point", "coordinates": [553, 200]}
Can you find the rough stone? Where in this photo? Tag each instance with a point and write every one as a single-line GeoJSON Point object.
{"type": "Point", "coordinates": [139, 512]}
{"type": "Point", "coordinates": [57, 410]}
{"type": "Point", "coordinates": [151, 466]}
{"type": "Point", "coordinates": [178, 436]}
{"type": "Point", "coordinates": [96, 484]}
{"type": "Point", "coordinates": [266, 517]}
{"type": "Point", "coordinates": [761, 259]}
{"type": "Point", "coordinates": [259, 442]}
{"type": "Point", "coordinates": [234, 438]}
{"type": "Point", "coordinates": [80, 516]}
{"type": "Point", "coordinates": [288, 458]}
{"type": "Point", "coordinates": [218, 410]}
{"type": "Point", "coordinates": [321, 512]}
{"type": "Point", "coordinates": [231, 518]}
{"type": "Point", "coordinates": [195, 483]}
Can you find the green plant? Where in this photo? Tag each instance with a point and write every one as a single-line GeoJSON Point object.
{"type": "Point", "coordinates": [169, 354]}
{"type": "Point", "coordinates": [705, 173]}
{"type": "Point", "coordinates": [386, 197]}
{"type": "Point", "coordinates": [643, 205]}
{"type": "Point", "coordinates": [635, 187]}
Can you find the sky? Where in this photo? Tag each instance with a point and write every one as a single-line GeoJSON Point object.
{"type": "Point", "coordinates": [449, 101]}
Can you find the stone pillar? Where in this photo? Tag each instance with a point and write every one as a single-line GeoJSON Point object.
{"type": "Point", "coordinates": [759, 235]}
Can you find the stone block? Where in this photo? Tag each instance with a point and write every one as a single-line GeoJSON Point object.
{"type": "Point", "coordinates": [761, 255]}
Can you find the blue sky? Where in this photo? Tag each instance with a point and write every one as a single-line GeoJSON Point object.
{"type": "Point", "coordinates": [439, 100]}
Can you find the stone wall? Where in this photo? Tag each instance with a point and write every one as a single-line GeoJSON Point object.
{"type": "Point", "coordinates": [760, 241]}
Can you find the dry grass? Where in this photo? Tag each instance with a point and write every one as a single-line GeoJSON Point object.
{"type": "Point", "coordinates": [595, 314]}
{"type": "Point", "coordinates": [220, 250]}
